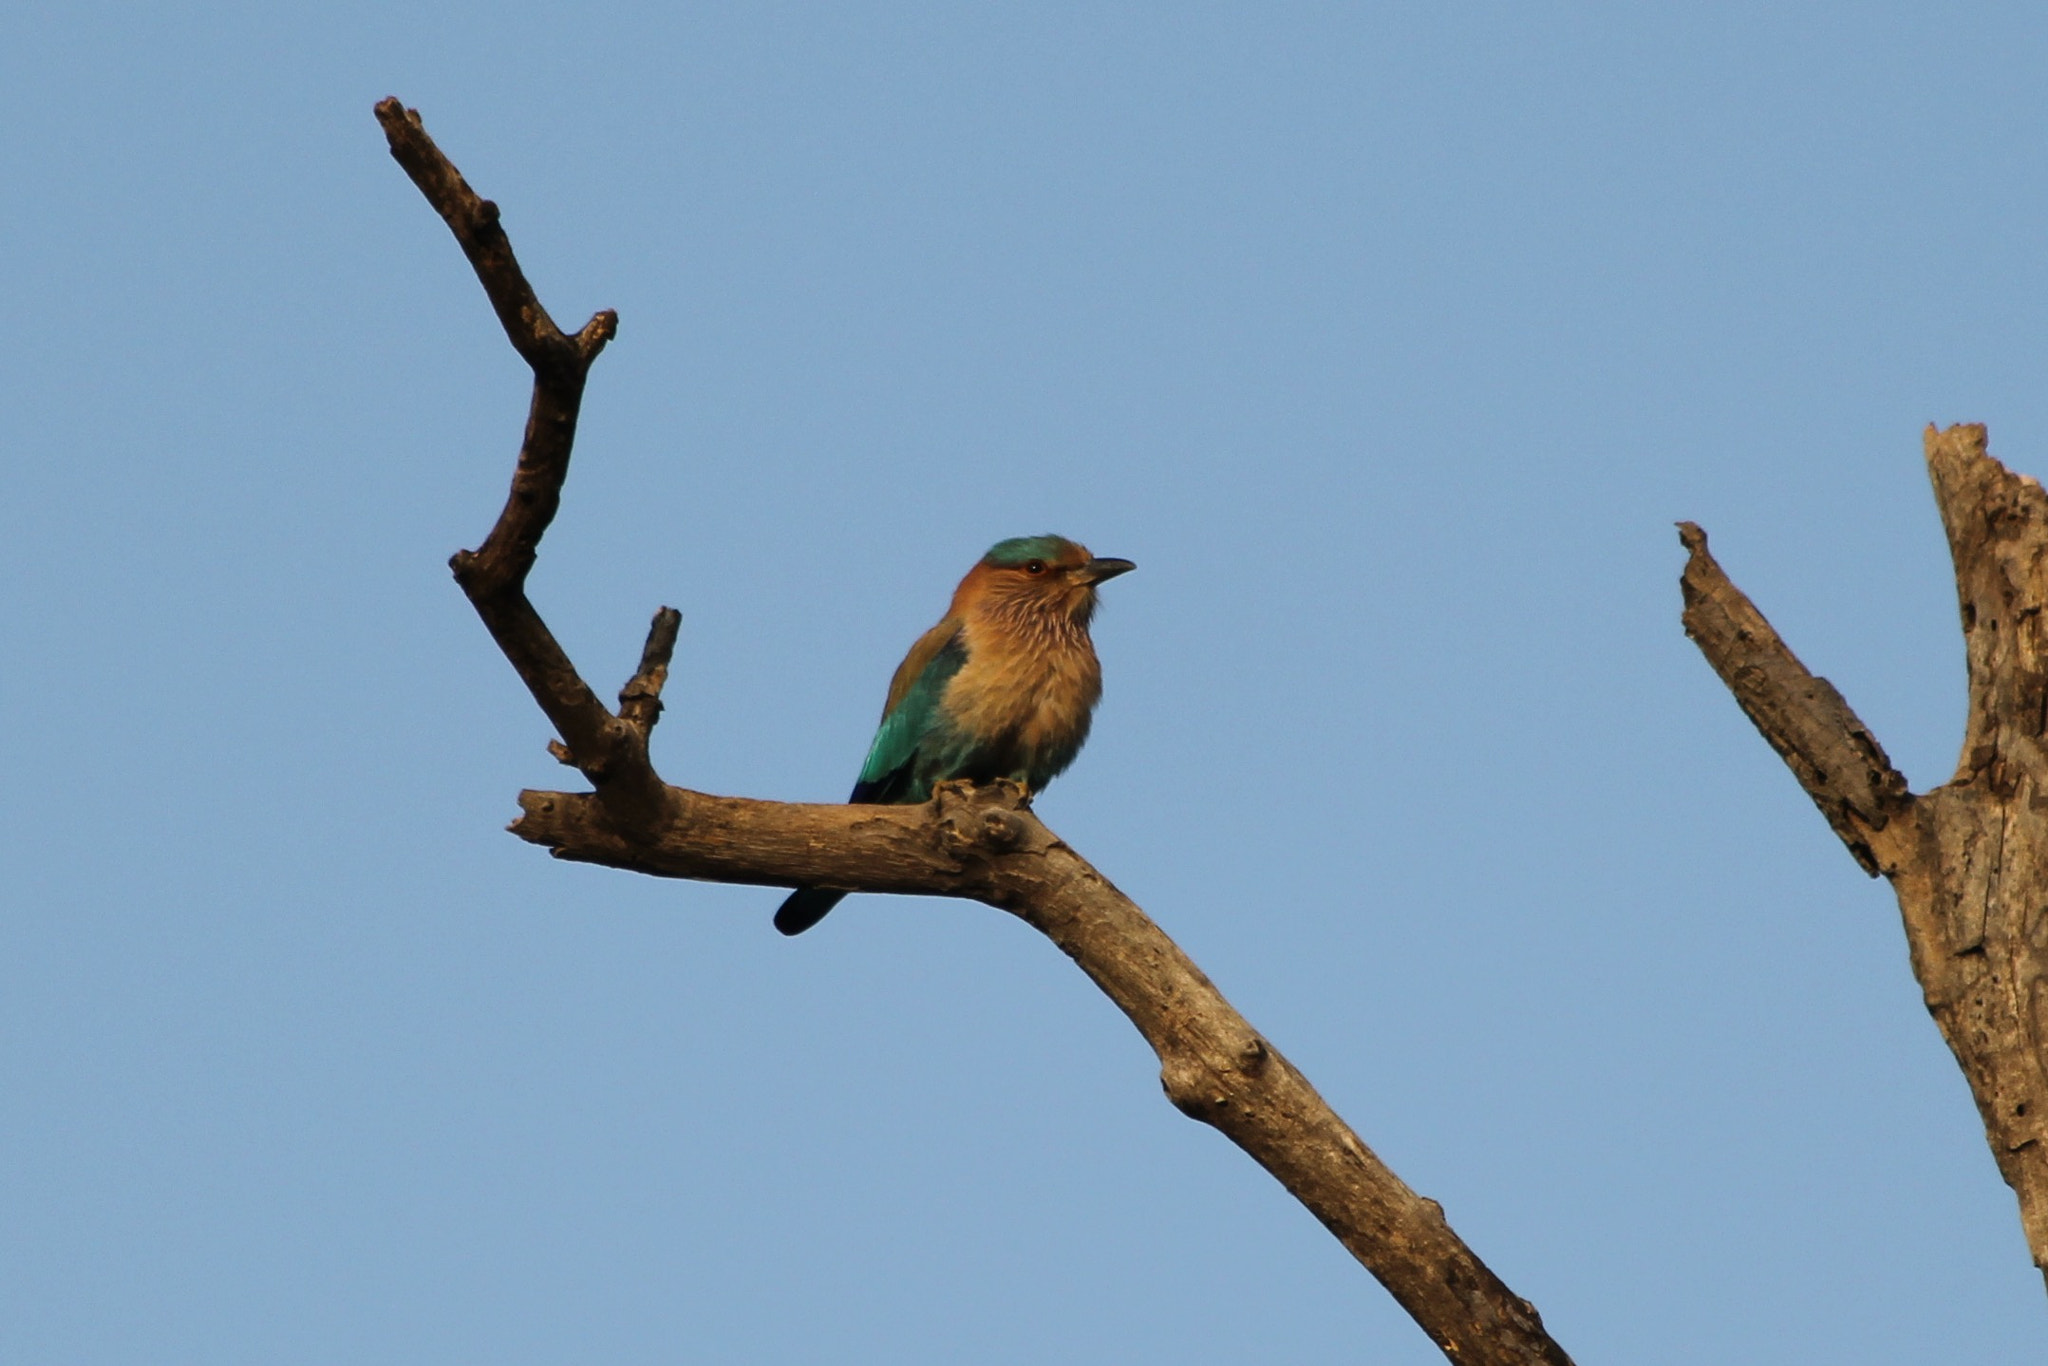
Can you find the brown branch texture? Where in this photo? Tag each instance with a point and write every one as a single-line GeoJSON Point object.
{"type": "Point", "coordinates": [1968, 861]}
{"type": "Point", "coordinates": [977, 842]}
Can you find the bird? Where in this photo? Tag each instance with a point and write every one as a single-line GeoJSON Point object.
{"type": "Point", "coordinates": [1004, 686]}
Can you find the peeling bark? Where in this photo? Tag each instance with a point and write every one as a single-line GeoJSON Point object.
{"type": "Point", "coordinates": [982, 843]}
{"type": "Point", "coordinates": [1968, 861]}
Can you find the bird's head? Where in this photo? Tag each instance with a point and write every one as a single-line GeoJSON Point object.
{"type": "Point", "coordinates": [1039, 576]}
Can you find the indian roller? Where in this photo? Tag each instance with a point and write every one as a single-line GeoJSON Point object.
{"type": "Point", "coordinates": [1003, 687]}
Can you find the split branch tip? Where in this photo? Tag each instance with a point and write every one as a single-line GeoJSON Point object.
{"type": "Point", "coordinates": [640, 699]}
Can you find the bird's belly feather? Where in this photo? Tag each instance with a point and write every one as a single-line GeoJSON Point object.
{"type": "Point", "coordinates": [1018, 715]}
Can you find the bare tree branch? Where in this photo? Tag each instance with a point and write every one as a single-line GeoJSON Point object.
{"type": "Point", "coordinates": [612, 753]}
{"type": "Point", "coordinates": [640, 699]}
{"type": "Point", "coordinates": [982, 843]}
{"type": "Point", "coordinates": [1832, 753]}
{"type": "Point", "coordinates": [1968, 861]}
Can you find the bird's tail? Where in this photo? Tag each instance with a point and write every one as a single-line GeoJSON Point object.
{"type": "Point", "coordinates": [806, 907]}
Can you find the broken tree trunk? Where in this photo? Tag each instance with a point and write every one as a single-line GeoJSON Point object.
{"type": "Point", "coordinates": [1968, 860]}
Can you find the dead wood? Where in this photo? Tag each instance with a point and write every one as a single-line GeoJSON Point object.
{"type": "Point", "coordinates": [1968, 861]}
{"type": "Point", "coordinates": [982, 843]}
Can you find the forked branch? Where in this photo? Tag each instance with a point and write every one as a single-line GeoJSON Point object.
{"type": "Point", "coordinates": [1968, 861]}
{"type": "Point", "coordinates": [982, 843]}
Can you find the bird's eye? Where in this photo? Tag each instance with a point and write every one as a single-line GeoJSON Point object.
{"type": "Point", "coordinates": [1035, 567]}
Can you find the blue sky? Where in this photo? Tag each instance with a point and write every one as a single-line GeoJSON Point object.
{"type": "Point", "coordinates": [1389, 341]}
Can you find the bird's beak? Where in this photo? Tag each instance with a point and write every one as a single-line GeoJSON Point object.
{"type": "Point", "coordinates": [1096, 571]}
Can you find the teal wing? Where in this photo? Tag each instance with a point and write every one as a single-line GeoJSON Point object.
{"type": "Point", "coordinates": [890, 773]}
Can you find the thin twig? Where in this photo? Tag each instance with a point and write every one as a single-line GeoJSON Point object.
{"type": "Point", "coordinates": [640, 699]}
